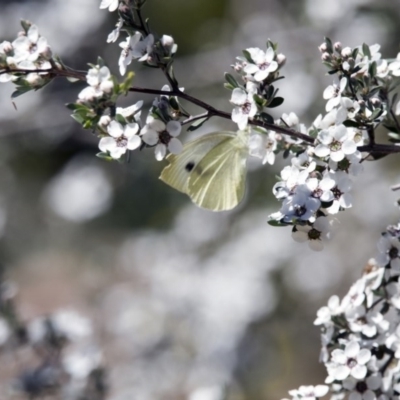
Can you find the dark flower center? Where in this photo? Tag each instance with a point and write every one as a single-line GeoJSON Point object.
{"type": "Point", "coordinates": [164, 137]}
{"type": "Point", "coordinates": [393, 253]}
{"type": "Point", "coordinates": [122, 141]}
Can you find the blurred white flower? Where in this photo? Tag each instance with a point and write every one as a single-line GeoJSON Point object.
{"type": "Point", "coordinates": [80, 192]}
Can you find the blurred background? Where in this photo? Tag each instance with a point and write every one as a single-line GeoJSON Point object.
{"type": "Point", "coordinates": [156, 298]}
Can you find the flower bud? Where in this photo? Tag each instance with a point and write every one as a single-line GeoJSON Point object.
{"type": "Point", "coordinates": [326, 57]}
{"type": "Point", "coordinates": [281, 59]}
{"type": "Point", "coordinates": [104, 121]}
{"type": "Point", "coordinates": [337, 46]}
{"type": "Point", "coordinates": [35, 80]}
{"type": "Point", "coordinates": [346, 52]}
{"type": "Point", "coordinates": [169, 44]}
{"type": "Point", "coordinates": [107, 86]}
{"type": "Point", "coordinates": [323, 48]}
{"type": "Point", "coordinates": [376, 102]}
{"type": "Point", "coordinates": [47, 53]}
{"type": "Point", "coordinates": [6, 48]}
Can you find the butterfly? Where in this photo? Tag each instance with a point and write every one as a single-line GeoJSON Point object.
{"type": "Point", "coordinates": [211, 170]}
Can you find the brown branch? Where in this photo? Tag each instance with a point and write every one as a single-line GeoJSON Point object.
{"type": "Point", "coordinates": [210, 110]}
{"type": "Point", "coordinates": [222, 114]}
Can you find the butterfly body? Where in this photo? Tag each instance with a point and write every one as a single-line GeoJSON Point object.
{"type": "Point", "coordinates": [211, 170]}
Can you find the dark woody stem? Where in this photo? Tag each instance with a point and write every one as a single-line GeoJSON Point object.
{"type": "Point", "coordinates": [210, 110]}
{"type": "Point", "coordinates": [213, 112]}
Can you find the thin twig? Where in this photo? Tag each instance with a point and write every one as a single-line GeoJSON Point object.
{"type": "Point", "coordinates": [210, 110]}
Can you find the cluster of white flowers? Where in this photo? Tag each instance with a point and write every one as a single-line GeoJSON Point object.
{"type": "Point", "coordinates": [29, 51]}
{"type": "Point", "coordinates": [141, 46]}
{"type": "Point", "coordinates": [361, 333]}
{"type": "Point", "coordinates": [125, 132]}
{"type": "Point", "coordinates": [258, 71]}
{"type": "Point", "coordinates": [317, 184]}
{"type": "Point", "coordinates": [100, 84]}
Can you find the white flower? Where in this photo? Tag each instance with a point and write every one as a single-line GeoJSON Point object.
{"type": "Point", "coordinates": [31, 46]}
{"type": "Point", "coordinates": [112, 5]}
{"type": "Point", "coordinates": [245, 107]}
{"type": "Point", "coordinates": [263, 63]}
{"type": "Point", "coordinates": [263, 146]}
{"type": "Point", "coordinates": [347, 110]}
{"type": "Point", "coordinates": [114, 35]}
{"type": "Point", "coordinates": [366, 322]}
{"type": "Point", "coordinates": [309, 392]}
{"type": "Point", "coordinates": [394, 67]}
{"type": "Point", "coordinates": [322, 189]}
{"type": "Point", "coordinates": [127, 53]}
{"type": "Point", "coordinates": [100, 78]}
{"type": "Point", "coordinates": [121, 139]}
{"type": "Point", "coordinates": [325, 314]}
{"type": "Point", "coordinates": [133, 110]}
{"type": "Point", "coordinates": [393, 291]}
{"type": "Point", "coordinates": [5, 331]}
{"type": "Point", "coordinates": [315, 234]}
{"type": "Point", "coordinates": [363, 61]}
{"type": "Point", "coordinates": [389, 252]}
{"type": "Point", "coordinates": [349, 362]}
{"type": "Point", "coordinates": [99, 81]}
{"type": "Point", "coordinates": [363, 390]}
{"type": "Point", "coordinates": [304, 161]}
{"type": "Point", "coordinates": [291, 120]}
{"type": "Point", "coordinates": [333, 93]}
{"type": "Point", "coordinates": [335, 142]}
{"type": "Point", "coordinates": [355, 296]}
{"type": "Point", "coordinates": [397, 110]}
{"type": "Point", "coordinates": [293, 176]}
{"type": "Point", "coordinates": [156, 133]}
{"type": "Point", "coordinates": [341, 192]}
{"type": "Point", "coordinates": [169, 44]}
{"type": "Point", "coordinates": [351, 164]}
{"type": "Point", "coordinates": [300, 206]}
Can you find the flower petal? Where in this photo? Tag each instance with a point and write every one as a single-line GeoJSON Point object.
{"type": "Point", "coordinates": [175, 146]}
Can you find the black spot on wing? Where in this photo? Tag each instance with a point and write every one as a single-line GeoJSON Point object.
{"type": "Point", "coordinates": [189, 166]}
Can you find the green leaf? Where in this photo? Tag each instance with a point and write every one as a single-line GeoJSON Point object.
{"type": "Point", "coordinates": [259, 100]}
{"type": "Point", "coordinates": [269, 92]}
{"type": "Point", "coordinates": [286, 154]}
{"type": "Point", "coordinates": [372, 69]}
{"type": "Point", "coordinates": [78, 118]}
{"type": "Point", "coordinates": [104, 156]}
{"type": "Point", "coordinates": [366, 50]}
{"type": "Point", "coordinates": [197, 124]}
{"type": "Point", "coordinates": [272, 44]}
{"type": "Point", "coordinates": [355, 53]}
{"type": "Point", "coordinates": [25, 25]}
{"type": "Point", "coordinates": [392, 128]}
{"type": "Point", "coordinates": [351, 124]}
{"type": "Point", "coordinates": [276, 223]}
{"type": "Point", "coordinates": [20, 91]}
{"type": "Point", "coordinates": [174, 103]}
{"type": "Point", "coordinates": [329, 45]}
{"type": "Point", "coordinates": [376, 114]}
{"type": "Point", "coordinates": [333, 71]}
{"type": "Point", "coordinates": [266, 117]}
{"type": "Point", "coordinates": [247, 56]}
{"type": "Point", "coordinates": [231, 80]}
{"type": "Point", "coordinates": [119, 118]}
{"type": "Point", "coordinates": [276, 102]}
{"type": "Point", "coordinates": [326, 204]}
{"type": "Point", "coordinates": [228, 86]}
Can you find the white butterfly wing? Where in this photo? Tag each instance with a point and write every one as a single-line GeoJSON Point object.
{"type": "Point", "coordinates": [218, 181]}
{"type": "Point", "coordinates": [177, 173]}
